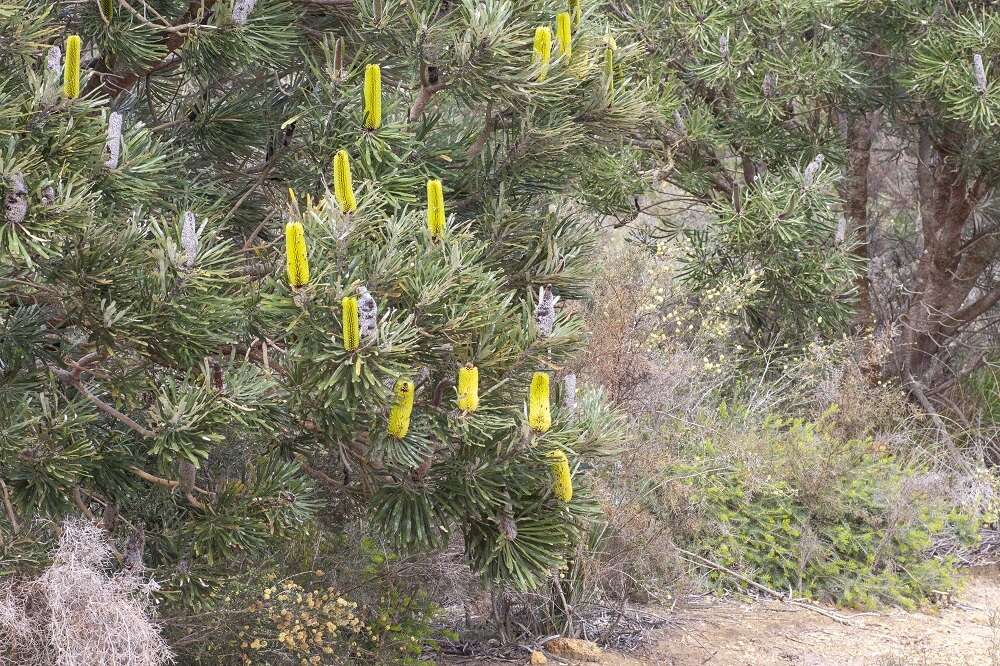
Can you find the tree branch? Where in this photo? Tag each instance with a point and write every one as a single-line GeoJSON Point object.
{"type": "Point", "coordinates": [977, 308]}
{"type": "Point", "coordinates": [73, 379]}
{"type": "Point", "coordinates": [173, 39]}
{"type": "Point", "coordinates": [9, 508]}
{"type": "Point", "coordinates": [918, 391]}
{"type": "Point", "coordinates": [427, 90]}
{"type": "Point", "coordinates": [78, 501]}
{"type": "Point", "coordinates": [171, 484]}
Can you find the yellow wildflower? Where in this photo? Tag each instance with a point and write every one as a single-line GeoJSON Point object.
{"type": "Point", "coordinates": [564, 33]}
{"type": "Point", "coordinates": [468, 388]}
{"type": "Point", "coordinates": [562, 481]}
{"type": "Point", "coordinates": [71, 68]}
{"type": "Point", "coordinates": [539, 416]}
{"type": "Point", "coordinates": [435, 208]}
{"type": "Point", "coordinates": [399, 413]}
{"type": "Point", "coordinates": [373, 97]}
{"type": "Point", "coordinates": [543, 50]}
{"type": "Point", "coordinates": [296, 254]}
{"type": "Point", "coordinates": [351, 323]}
{"type": "Point", "coordinates": [343, 189]}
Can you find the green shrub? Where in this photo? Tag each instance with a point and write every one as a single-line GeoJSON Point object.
{"type": "Point", "coordinates": [799, 510]}
{"type": "Point", "coordinates": [983, 387]}
{"type": "Point", "coordinates": [334, 597]}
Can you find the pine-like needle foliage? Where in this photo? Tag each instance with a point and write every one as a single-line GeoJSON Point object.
{"type": "Point", "coordinates": [206, 394]}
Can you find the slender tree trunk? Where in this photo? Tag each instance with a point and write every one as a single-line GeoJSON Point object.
{"type": "Point", "coordinates": [861, 131]}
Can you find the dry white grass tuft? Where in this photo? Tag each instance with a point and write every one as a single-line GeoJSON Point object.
{"type": "Point", "coordinates": [77, 614]}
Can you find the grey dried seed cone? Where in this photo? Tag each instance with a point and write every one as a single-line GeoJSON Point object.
{"type": "Point", "coordinates": [979, 71]}
{"type": "Point", "coordinates": [16, 201]}
{"type": "Point", "coordinates": [508, 527]}
{"type": "Point", "coordinates": [113, 145]}
{"type": "Point", "coordinates": [241, 10]}
{"type": "Point", "coordinates": [812, 169]}
{"type": "Point", "coordinates": [545, 311]}
{"type": "Point", "coordinates": [189, 239]}
{"type": "Point", "coordinates": [53, 60]}
{"type": "Point", "coordinates": [134, 549]}
{"type": "Point", "coordinates": [187, 474]}
{"type": "Point", "coordinates": [569, 391]}
{"type": "Point", "coordinates": [367, 314]}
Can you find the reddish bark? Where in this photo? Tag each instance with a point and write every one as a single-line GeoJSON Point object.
{"type": "Point", "coordinates": [950, 265]}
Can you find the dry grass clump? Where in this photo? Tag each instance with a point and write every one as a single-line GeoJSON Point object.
{"type": "Point", "coordinates": [77, 613]}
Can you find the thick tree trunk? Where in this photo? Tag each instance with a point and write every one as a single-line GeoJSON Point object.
{"type": "Point", "coordinates": [948, 268]}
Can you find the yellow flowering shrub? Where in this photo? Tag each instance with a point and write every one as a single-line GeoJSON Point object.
{"type": "Point", "coordinates": [298, 625]}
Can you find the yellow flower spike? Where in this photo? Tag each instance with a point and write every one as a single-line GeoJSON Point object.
{"type": "Point", "coordinates": [543, 51]}
{"type": "Point", "coordinates": [576, 8]}
{"type": "Point", "coordinates": [351, 322]}
{"type": "Point", "coordinates": [609, 66]}
{"type": "Point", "coordinates": [71, 68]}
{"type": "Point", "coordinates": [435, 208]}
{"type": "Point", "coordinates": [108, 9]}
{"type": "Point", "coordinates": [373, 97]}
{"type": "Point", "coordinates": [343, 189]}
{"type": "Point", "coordinates": [296, 254]}
{"type": "Point", "coordinates": [564, 33]}
{"type": "Point", "coordinates": [539, 416]}
{"type": "Point", "coordinates": [562, 480]}
{"type": "Point", "coordinates": [402, 407]}
{"type": "Point", "coordinates": [468, 388]}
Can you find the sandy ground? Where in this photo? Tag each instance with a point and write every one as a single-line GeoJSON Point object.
{"type": "Point", "coordinates": [731, 633]}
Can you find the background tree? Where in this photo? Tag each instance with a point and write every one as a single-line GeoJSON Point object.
{"type": "Point", "coordinates": [170, 372]}
{"type": "Point", "coordinates": [899, 100]}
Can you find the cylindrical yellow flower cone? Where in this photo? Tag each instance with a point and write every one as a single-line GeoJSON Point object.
{"type": "Point", "coordinates": [609, 71]}
{"type": "Point", "coordinates": [343, 188]}
{"type": "Point", "coordinates": [373, 97]}
{"type": "Point", "coordinates": [609, 66]}
{"type": "Point", "coordinates": [562, 480]}
{"type": "Point", "coordinates": [402, 407]}
{"type": "Point", "coordinates": [543, 51]}
{"type": "Point", "coordinates": [468, 388]}
{"type": "Point", "coordinates": [351, 323]}
{"type": "Point", "coordinates": [435, 208]}
{"type": "Point", "coordinates": [576, 8]}
{"type": "Point", "coordinates": [108, 8]}
{"type": "Point", "coordinates": [564, 33]}
{"type": "Point", "coordinates": [296, 255]}
{"type": "Point", "coordinates": [539, 416]}
{"type": "Point", "coordinates": [71, 68]}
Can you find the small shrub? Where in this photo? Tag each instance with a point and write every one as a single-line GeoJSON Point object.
{"type": "Point", "coordinates": [799, 510]}
{"type": "Point", "coordinates": [982, 388]}
{"type": "Point", "coordinates": [338, 597]}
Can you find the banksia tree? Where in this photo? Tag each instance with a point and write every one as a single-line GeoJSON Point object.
{"type": "Point", "coordinates": [204, 376]}
{"type": "Point", "coordinates": [920, 76]}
